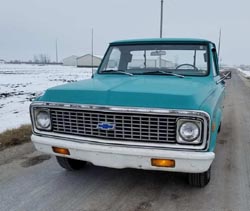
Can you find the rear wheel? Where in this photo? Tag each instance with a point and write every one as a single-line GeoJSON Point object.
{"type": "Point", "coordinates": [70, 164]}
{"type": "Point", "coordinates": [219, 129]}
{"type": "Point", "coordinates": [199, 179]}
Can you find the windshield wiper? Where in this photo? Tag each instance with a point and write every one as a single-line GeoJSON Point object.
{"type": "Point", "coordinates": [118, 71]}
{"type": "Point", "coordinates": [165, 73]}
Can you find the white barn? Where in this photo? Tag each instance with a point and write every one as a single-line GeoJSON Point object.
{"type": "Point", "coordinates": [70, 61]}
{"type": "Point", "coordinates": [86, 61]}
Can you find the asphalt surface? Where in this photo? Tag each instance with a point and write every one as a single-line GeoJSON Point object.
{"type": "Point", "coordinates": [36, 182]}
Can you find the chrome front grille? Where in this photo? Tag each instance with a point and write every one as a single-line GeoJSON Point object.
{"type": "Point", "coordinates": [128, 126]}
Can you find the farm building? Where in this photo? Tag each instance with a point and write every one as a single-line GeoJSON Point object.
{"type": "Point", "coordinates": [70, 61]}
{"type": "Point", "coordinates": [86, 61]}
{"type": "Point", "coordinates": [151, 63]}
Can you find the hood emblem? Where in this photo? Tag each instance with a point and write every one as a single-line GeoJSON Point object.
{"type": "Point", "coordinates": [106, 126]}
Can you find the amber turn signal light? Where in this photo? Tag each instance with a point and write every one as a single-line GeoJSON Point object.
{"type": "Point", "coordinates": [163, 163]}
{"type": "Point", "coordinates": [62, 151]}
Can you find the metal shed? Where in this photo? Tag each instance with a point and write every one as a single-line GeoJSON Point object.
{"type": "Point", "coordinates": [86, 61]}
{"type": "Point", "coordinates": [70, 61]}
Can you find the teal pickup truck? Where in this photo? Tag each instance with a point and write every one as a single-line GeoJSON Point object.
{"type": "Point", "coordinates": [153, 104]}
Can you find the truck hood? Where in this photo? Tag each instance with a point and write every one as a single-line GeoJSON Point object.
{"type": "Point", "coordinates": [155, 91]}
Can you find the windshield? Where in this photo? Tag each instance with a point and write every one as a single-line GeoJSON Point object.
{"type": "Point", "coordinates": [154, 59]}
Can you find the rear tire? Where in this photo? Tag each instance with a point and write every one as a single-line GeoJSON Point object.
{"type": "Point", "coordinates": [219, 129]}
{"type": "Point", "coordinates": [199, 179]}
{"type": "Point", "coordinates": [70, 164]}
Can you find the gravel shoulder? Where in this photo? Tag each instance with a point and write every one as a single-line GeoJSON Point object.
{"type": "Point", "coordinates": [16, 152]}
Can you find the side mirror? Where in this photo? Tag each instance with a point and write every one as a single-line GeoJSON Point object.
{"type": "Point", "coordinates": [226, 74]}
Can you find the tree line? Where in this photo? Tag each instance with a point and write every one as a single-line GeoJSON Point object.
{"type": "Point", "coordinates": [37, 59]}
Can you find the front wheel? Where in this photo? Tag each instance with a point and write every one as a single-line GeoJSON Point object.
{"type": "Point", "coordinates": [199, 179]}
{"type": "Point", "coordinates": [70, 164]}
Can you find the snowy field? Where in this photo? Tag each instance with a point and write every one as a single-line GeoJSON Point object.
{"type": "Point", "coordinates": [245, 73]}
{"type": "Point", "coordinates": [19, 84]}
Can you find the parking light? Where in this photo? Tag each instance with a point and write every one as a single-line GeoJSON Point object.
{"type": "Point", "coordinates": [60, 150]}
{"type": "Point", "coordinates": [163, 163]}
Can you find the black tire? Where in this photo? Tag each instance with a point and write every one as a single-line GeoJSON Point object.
{"type": "Point", "coordinates": [219, 129]}
{"type": "Point", "coordinates": [199, 179]}
{"type": "Point", "coordinates": [70, 164]}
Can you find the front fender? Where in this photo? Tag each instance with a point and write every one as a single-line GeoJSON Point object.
{"type": "Point", "coordinates": [213, 105]}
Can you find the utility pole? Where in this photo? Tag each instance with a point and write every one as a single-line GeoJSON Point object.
{"type": "Point", "coordinates": [92, 51]}
{"type": "Point", "coordinates": [219, 44]}
{"type": "Point", "coordinates": [56, 52]}
{"type": "Point", "coordinates": [219, 60]}
{"type": "Point", "coordinates": [161, 24]}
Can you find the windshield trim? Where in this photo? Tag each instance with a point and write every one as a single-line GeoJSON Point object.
{"type": "Point", "coordinates": [163, 43]}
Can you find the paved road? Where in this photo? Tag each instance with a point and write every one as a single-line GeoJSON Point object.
{"type": "Point", "coordinates": [45, 186]}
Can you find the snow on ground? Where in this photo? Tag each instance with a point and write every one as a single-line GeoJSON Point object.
{"type": "Point", "coordinates": [19, 84]}
{"type": "Point", "coordinates": [244, 73]}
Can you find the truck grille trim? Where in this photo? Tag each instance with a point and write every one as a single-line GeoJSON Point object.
{"type": "Point", "coordinates": [134, 127]}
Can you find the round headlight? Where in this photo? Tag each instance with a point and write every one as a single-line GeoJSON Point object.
{"type": "Point", "coordinates": [43, 119]}
{"type": "Point", "coordinates": [189, 131]}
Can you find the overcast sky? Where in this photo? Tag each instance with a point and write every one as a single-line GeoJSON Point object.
{"type": "Point", "coordinates": [29, 27]}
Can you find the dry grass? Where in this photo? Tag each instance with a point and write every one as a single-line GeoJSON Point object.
{"type": "Point", "coordinates": [15, 136]}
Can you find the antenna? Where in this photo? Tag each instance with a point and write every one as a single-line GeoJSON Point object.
{"type": "Point", "coordinates": [161, 23]}
{"type": "Point", "coordinates": [92, 51]}
{"type": "Point", "coordinates": [56, 52]}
